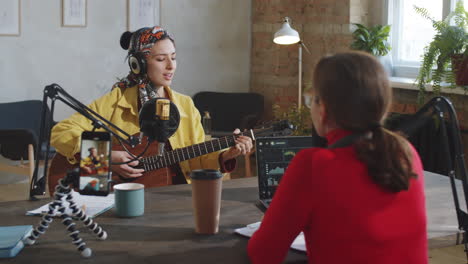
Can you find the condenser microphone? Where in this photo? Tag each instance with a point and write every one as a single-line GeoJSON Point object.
{"type": "Point", "coordinates": [162, 112]}
{"type": "Point", "coordinates": [159, 119]}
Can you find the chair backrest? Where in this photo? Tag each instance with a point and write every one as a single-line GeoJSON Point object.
{"type": "Point", "coordinates": [435, 133]}
{"type": "Point", "coordinates": [20, 124]}
{"type": "Point", "coordinates": [230, 110]}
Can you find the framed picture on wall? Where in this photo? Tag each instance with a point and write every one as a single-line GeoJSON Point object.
{"type": "Point", "coordinates": [10, 18]}
{"type": "Point", "coordinates": [74, 13]}
{"type": "Point", "coordinates": [142, 13]}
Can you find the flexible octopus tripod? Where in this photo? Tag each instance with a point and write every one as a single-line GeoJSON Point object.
{"type": "Point", "coordinates": [63, 189]}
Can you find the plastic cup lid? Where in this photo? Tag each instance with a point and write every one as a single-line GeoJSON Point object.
{"type": "Point", "coordinates": [205, 174]}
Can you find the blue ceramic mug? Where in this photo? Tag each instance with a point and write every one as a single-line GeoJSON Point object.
{"type": "Point", "coordinates": [129, 199]}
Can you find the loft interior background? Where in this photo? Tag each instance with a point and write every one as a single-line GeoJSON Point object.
{"type": "Point", "coordinates": [212, 38]}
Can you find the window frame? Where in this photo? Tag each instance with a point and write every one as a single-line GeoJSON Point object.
{"type": "Point", "coordinates": [400, 68]}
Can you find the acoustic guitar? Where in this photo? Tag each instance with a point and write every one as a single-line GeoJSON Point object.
{"type": "Point", "coordinates": [156, 172]}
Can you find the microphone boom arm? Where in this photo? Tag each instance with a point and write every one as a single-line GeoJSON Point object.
{"type": "Point", "coordinates": [55, 92]}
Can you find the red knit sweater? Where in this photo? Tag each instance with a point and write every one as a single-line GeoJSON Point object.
{"type": "Point", "coordinates": [345, 216]}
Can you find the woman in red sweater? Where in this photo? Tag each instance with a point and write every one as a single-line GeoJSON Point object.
{"type": "Point", "coordinates": [361, 200]}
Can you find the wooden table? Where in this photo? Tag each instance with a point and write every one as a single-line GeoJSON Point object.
{"type": "Point", "coordinates": [165, 234]}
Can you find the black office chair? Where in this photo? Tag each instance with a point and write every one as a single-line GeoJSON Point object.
{"type": "Point", "coordinates": [435, 133]}
{"type": "Point", "coordinates": [20, 124]}
{"type": "Point", "coordinates": [229, 111]}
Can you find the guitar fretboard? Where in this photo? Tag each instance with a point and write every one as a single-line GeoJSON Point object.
{"type": "Point", "coordinates": [175, 156]}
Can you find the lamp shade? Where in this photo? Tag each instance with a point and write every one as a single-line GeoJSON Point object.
{"type": "Point", "coordinates": [286, 35]}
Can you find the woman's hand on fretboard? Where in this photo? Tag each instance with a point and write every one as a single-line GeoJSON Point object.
{"type": "Point", "coordinates": [242, 147]}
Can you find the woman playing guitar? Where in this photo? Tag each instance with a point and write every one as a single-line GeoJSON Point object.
{"type": "Point", "coordinates": [152, 61]}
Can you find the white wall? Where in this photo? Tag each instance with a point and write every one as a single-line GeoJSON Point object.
{"type": "Point", "coordinates": [213, 43]}
{"type": "Point", "coordinates": [212, 39]}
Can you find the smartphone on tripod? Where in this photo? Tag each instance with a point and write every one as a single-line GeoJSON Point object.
{"type": "Point", "coordinates": [95, 173]}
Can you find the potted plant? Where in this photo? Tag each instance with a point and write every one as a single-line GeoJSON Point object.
{"type": "Point", "coordinates": [448, 52]}
{"type": "Point", "coordinates": [372, 40]}
{"type": "Point", "coordinates": [375, 41]}
{"type": "Point", "coordinates": [298, 117]}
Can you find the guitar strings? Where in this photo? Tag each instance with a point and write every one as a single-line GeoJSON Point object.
{"type": "Point", "coordinates": [131, 154]}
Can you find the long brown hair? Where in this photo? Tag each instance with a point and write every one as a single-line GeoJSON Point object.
{"type": "Point", "coordinates": [357, 95]}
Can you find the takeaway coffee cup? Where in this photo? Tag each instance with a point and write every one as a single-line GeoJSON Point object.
{"type": "Point", "coordinates": [206, 200]}
{"type": "Point", "coordinates": [129, 199]}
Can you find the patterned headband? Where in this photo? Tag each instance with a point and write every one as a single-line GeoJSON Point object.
{"type": "Point", "coordinates": [143, 39]}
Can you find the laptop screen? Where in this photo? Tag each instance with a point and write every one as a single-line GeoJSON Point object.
{"type": "Point", "coordinates": [273, 156]}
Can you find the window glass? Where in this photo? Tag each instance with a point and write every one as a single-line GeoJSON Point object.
{"type": "Point", "coordinates": [415, 31]}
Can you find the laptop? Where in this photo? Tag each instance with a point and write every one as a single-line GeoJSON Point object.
{"type": "Point", "coordinates": [273, 155]}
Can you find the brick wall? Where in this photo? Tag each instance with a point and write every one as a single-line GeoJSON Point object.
{"type": "Point", "coordinates": [359, 11]}
{"type": "Point", "coordinates": [404, 101]}
{"type": "Point", "coordinates": [324, 28]}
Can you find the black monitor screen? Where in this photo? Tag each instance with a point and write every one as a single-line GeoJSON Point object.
{"type": "Point", "coordinates": [273, 157]}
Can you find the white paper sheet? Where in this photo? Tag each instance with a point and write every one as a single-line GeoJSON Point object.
{"type": "Point", "coordinates": [249, 230]}
{"type": "Point", "coordinates": [94, 205]}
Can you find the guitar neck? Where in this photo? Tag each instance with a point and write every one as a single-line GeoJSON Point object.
{"type": "Point", "coordinates": [175, 156]}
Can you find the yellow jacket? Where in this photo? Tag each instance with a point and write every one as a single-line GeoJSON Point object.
{"type": "Point", "coordinates": [121, 108]}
